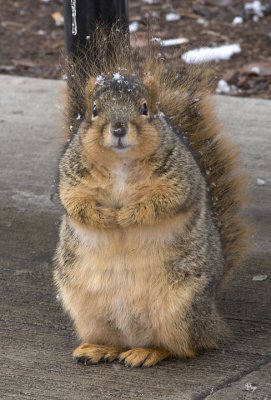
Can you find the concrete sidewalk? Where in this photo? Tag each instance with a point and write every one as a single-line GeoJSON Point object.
{"type": "Point", "coordinates": [37, 340]}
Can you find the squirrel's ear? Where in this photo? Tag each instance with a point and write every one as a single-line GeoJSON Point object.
{"type": "Point", "coordinates": [89, 92]}
{"type": "Point", "coordinates": [152, 87]}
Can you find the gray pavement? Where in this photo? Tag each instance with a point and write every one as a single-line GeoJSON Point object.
{"type": "Point", "coordinates": [36, 338]}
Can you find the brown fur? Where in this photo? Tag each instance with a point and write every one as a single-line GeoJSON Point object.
{"type": "Point", "coordinates": [149, 231]}
{"type": "Point", "coordinates": [183, 96]}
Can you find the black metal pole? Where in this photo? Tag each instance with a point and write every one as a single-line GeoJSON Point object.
{"type": "Point", "coordinates": [82, 17]}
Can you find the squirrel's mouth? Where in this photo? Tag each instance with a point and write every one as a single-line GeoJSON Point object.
{"type": "Point", "coordinates": [120, 146]}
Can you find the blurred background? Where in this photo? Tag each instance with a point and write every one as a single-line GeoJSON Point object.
{"type": "Point", "coordinates": [32, 37]}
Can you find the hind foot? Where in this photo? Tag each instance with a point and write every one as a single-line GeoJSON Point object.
{"type": "Point", "coordinates": [93, 353]}
{"type": "Point", "coordinates": [143, 357]}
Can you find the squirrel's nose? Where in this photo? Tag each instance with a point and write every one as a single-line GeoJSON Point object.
{"type": "Point", "coordinates": [119, 129]}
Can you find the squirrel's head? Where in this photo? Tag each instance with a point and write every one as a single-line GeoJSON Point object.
{"type": "Point", "coordinates": [120, 112]}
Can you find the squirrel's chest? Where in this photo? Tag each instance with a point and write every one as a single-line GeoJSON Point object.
{"type": "Point", "coordinates": [124, 180]}
{"type": "Point", "coordinates": [120, 177]}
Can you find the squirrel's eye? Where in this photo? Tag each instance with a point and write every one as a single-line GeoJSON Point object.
{"type": "Point", "coordinates": [144, 109]}
{"type": "Point", "coordinates": [94, 110]}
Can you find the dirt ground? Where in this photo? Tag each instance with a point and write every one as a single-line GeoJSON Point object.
{"type": "Point", "coordinates": [31, 41]}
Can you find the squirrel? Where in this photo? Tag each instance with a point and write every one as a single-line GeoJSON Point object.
{"type": "Point", "coordinates": [153, 200]}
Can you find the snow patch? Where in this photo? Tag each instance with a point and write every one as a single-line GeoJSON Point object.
{"type": "Point", "coordinates": [256, 70]}
{"type": "Point", "coordinates": [133, 27]}
{"type": "Point", "coordinates": [237, 21]}
{"type": "Point", "coordinates": [169, 42]}
{"type": "Point", "coordinates": [174, 42]}
{"type": "Point", "coordinates": [172, 17]}
{"type": "Point", "coordinates": [206, 54]}
{"type": "Point", "coordinates": [223, 87]}
{"type": "Point", "coordinates": [259, 277]}
{"type": "Point", "coordinates": [118, 77]}
{"type": "Point", "coordinates": [99, 80]}
{"type": "Point", "coordinates": [255, 7]}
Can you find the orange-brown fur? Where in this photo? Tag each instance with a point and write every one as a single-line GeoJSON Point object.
{"type": "Point", "coordinates": [183, 96]}
{"type": "Point", "coordinates": [144, 246]}
{"type": "Point", "coordinates": [140, 269]}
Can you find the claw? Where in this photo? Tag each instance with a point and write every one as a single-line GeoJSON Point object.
{"type": "Point", "coordinates": [81, 360]}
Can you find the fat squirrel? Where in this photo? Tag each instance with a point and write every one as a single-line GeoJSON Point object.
{"type": "Point", "coordinates": [153, 199]}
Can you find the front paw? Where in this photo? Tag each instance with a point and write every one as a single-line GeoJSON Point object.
{"type": "Point", "coordinates": [106, 217]}
{"type": "Point", "coordinates": [126, 216]}
{"type": "Point", "coordinates": [137, 214]}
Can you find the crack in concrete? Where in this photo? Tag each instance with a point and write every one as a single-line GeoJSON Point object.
{"type": "Point", "coordinates": [207, 394]}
